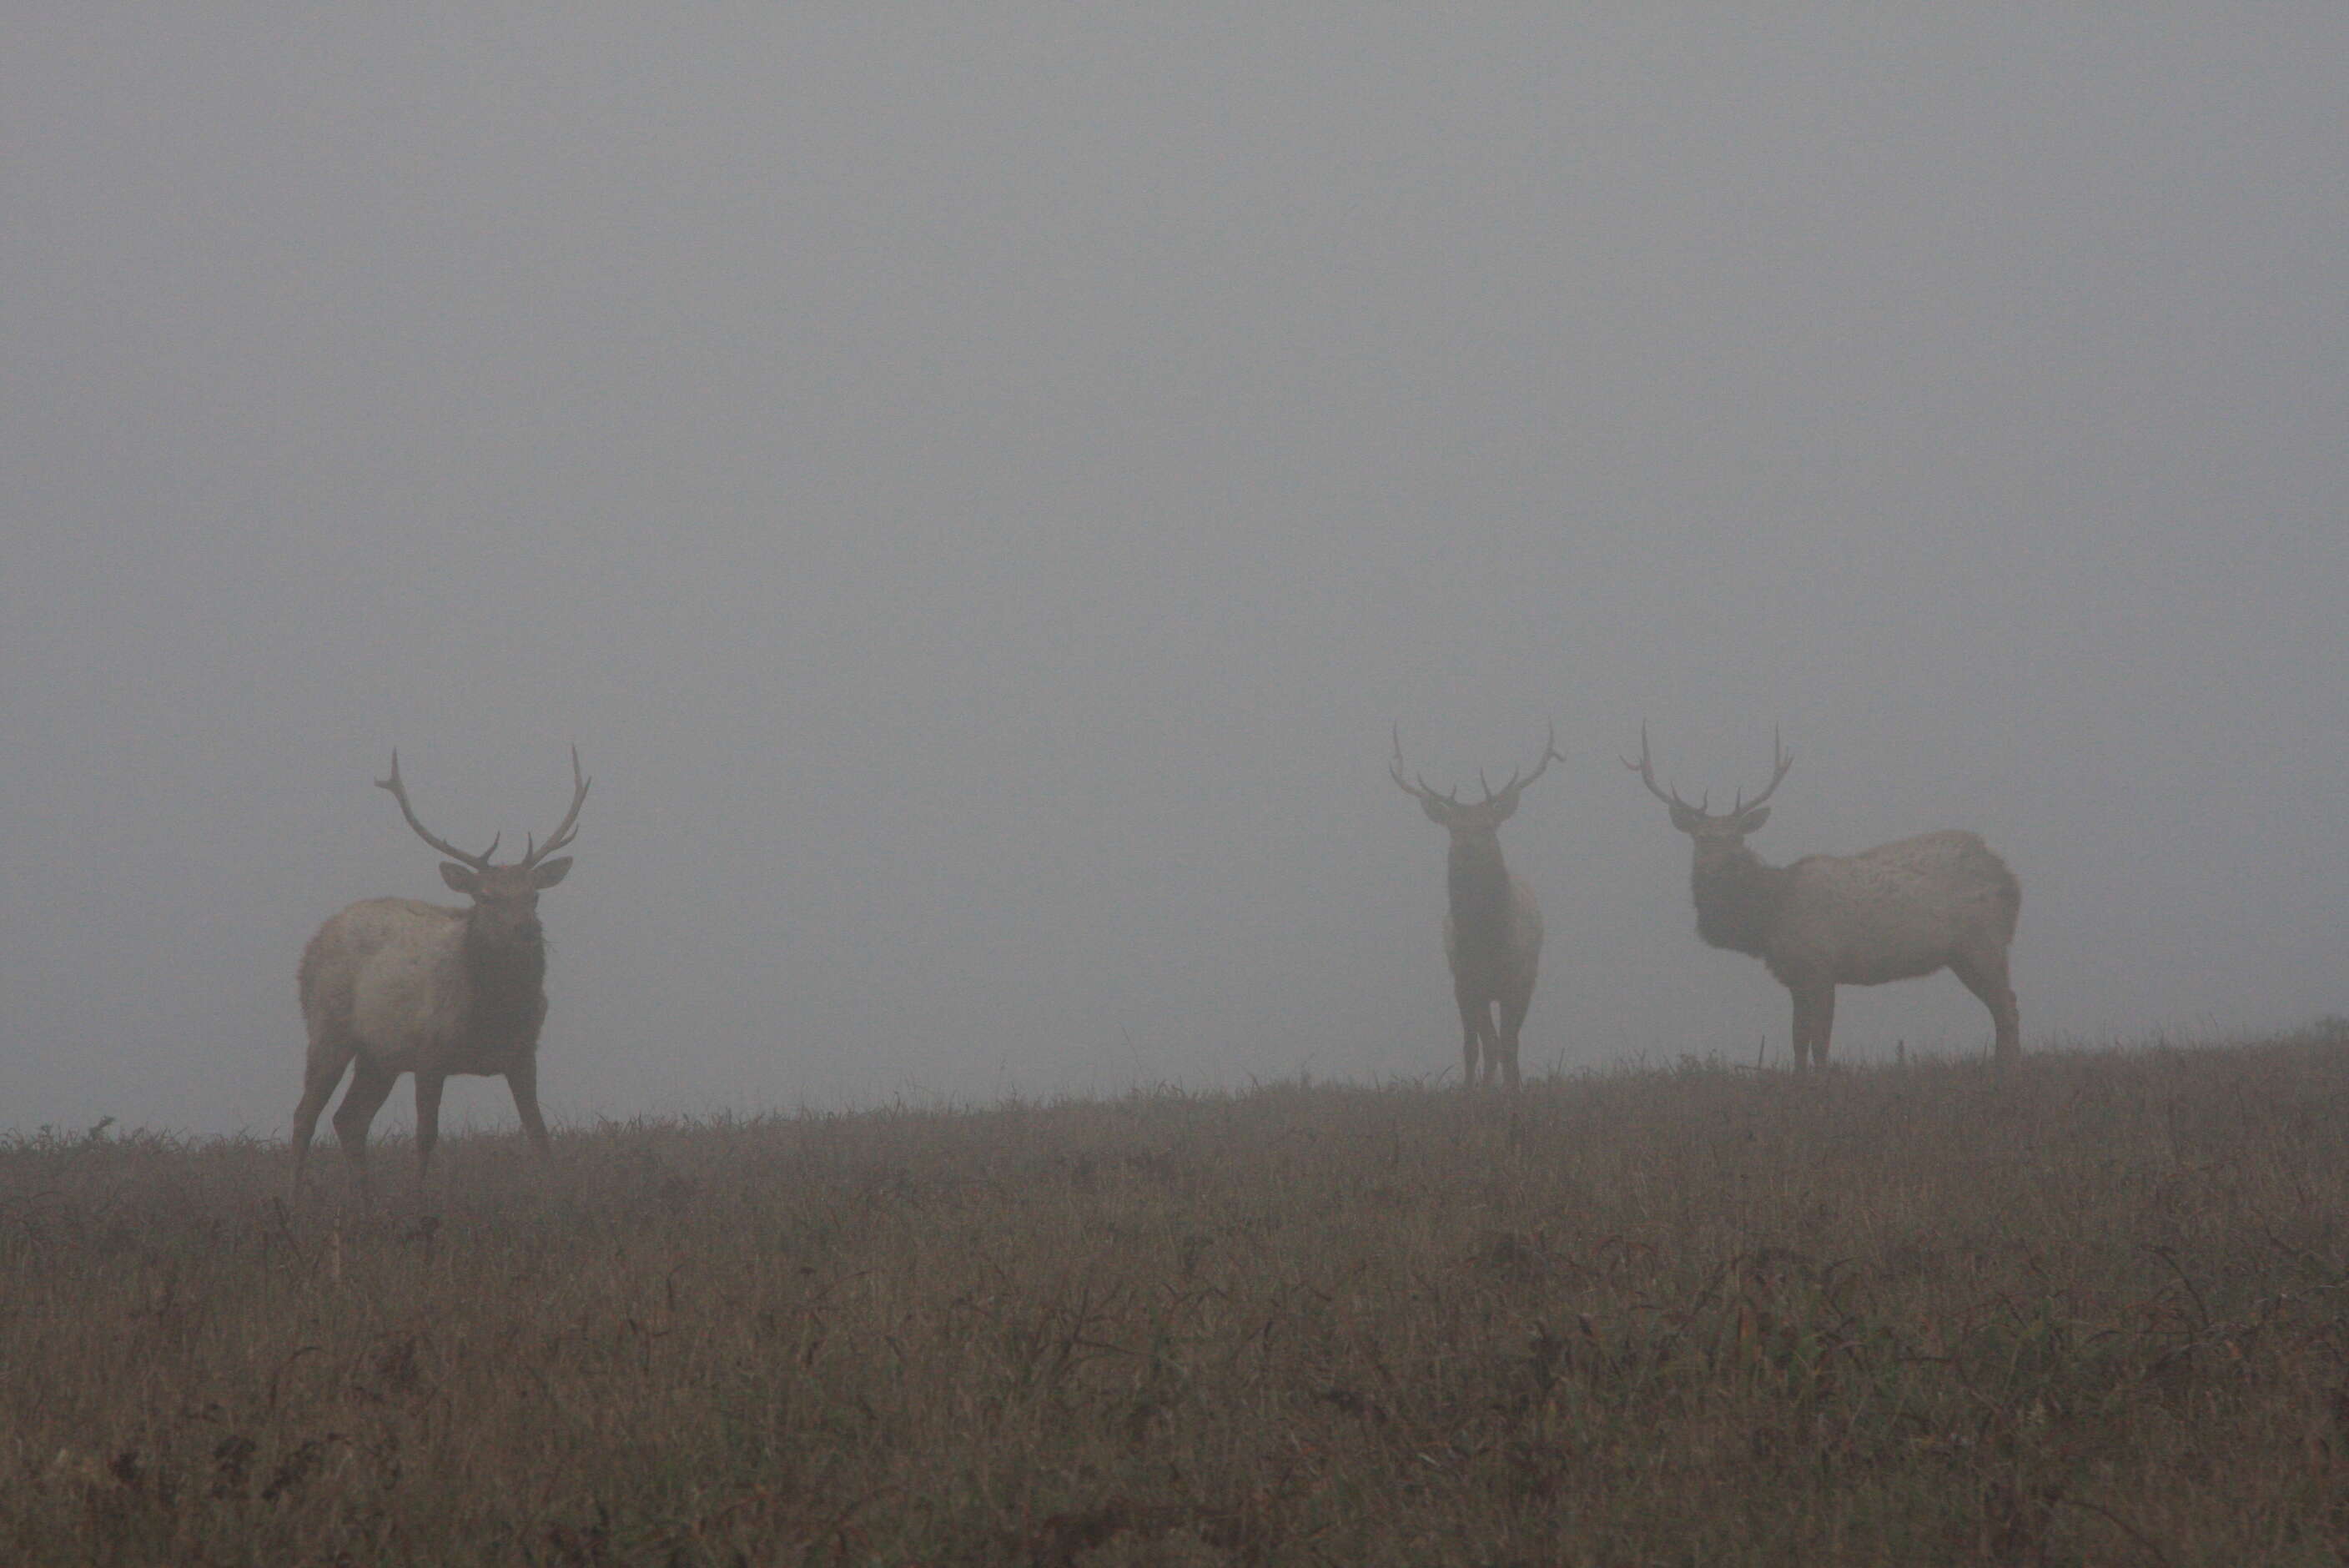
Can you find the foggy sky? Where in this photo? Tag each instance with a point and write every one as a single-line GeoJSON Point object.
{"type": "Point", "coordinates": [978, 483]}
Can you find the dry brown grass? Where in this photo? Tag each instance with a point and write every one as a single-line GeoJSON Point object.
{"type": "Point", "coordinates": [1702, 1315]}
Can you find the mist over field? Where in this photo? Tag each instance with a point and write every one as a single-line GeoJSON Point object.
{"type": "Point", "coordinates": [979, 486]}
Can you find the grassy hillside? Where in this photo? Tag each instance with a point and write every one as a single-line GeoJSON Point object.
{"type": "Point", "coordinates": [2099, 1314]}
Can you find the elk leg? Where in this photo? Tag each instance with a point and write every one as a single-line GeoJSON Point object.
{"type": "Point", "coordinates": [522, 1079]}
{"type": "Point", "coordinates": [370, 1086]}
{"type": "Point", "coordinates": [1987, 978]}
{"type": "Point", "coordinates": [321, 1073]}
{"type": "Point", "coordinates": [1813, 1016]}
{"type": "Point", "coordinates": [1490, 1068]}
{"type": "Point", "coordinates": [1514, 1007]}
{"type": "Point", "coordinates": [428, 1122]}
{"type": "Point", "coordinates": [1476, 1023]}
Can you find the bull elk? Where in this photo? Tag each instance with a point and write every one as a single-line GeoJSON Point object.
{"type": "Point", "coordinates": [1492, 928]}
{"type": "Point", "coordinates": [397, 986]}
{"type": "Point", "coordinates": [1939, 901]}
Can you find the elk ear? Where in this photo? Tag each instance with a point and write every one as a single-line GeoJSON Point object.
{"type": "Point", "coordinates": [550, 873]}
{"type": "Point", "coordinates": [461, 879]}
{"type": "Point", "coordinates": [1753, 819]}
{"type": "Point", "coordinates": [1686, 818]}
{"type": "Point", "coordinates": [1435, 812]}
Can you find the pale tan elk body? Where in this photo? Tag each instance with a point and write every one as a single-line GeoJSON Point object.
{"type": "Point", "coordinates": [395, 985]}
{"type": "Point", "coordinates": [1940, 901]}
{"type": "Point", "coordinates": [1493, 924]}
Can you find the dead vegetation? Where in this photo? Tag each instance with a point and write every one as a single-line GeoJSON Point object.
{"type": "Point", "coordinates": [2095, 1313]}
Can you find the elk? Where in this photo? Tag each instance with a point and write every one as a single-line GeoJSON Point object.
{"type": "Point", "coordinates": [1939, 901]}
{"type": "Point", "coordinates": [397, 986]}
{"type": "Point", "coordinates": [1492, 928]}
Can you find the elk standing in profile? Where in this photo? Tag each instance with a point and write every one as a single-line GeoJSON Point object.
{"type": "Point", "coordinates": [1493, 929]}
{"type": "Point", "coordinates": [1940, 901]}
{"type": "Point", "coordinates": [399, 986]}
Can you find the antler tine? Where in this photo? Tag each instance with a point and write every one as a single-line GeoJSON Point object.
{"type": "Point", "coordinates": [1550, 753]}
{"type": "Point", "coordinates": [1780, 760]}
{"type": "Point", "coordinates": [1394, 768]}
{"type": "Point", "coordinates": [532, 853]}
{"type": "Point", "coordinates": [1417, 784]}
{"type": "Point", "coordinates": [400, 793]}
{"type": "Point", "coordinates": [1647, 773]}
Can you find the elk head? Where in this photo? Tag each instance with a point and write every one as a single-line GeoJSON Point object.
{"type": "Point", "coordinates": [1728, 830]}
{"type": "Point", "coordinates": [505, 898]}
{"type": "Point", "coordinates": [1468, 820]}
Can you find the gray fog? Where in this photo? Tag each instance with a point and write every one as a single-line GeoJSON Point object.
{"type": "Point", "coordinates": [979, 483]}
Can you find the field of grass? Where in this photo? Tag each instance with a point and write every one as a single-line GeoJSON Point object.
{"type": "Point", "coordinates": [2097, 1313]}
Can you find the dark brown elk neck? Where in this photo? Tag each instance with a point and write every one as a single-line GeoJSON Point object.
{"type": "Point", "coordinates": [1479, 886]}
{"type": "Point", "coordinates": [1738, 896]}
{"type": "Point", "coordinates": [509, 978]}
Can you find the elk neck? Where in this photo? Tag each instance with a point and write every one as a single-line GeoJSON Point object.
{"type": "Point", "coordinates": [509, 976]}
{"type": "Point", "coordinates": [1737, 897]}
{"type": "Point", "coordinates": [1479, 886]}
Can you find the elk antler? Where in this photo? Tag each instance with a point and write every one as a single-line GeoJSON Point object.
{"type": "Point", "coordinates": [1394, 772]}
{"type": "Point", "coordinates": [1550, 753]}
{"type": "Point", "coordinates": [1780, 760]}
{"type": "Point", "coordinates": [533, 853]}
{"type": "Point", "coordinates": [1647, 773]}
{"type": "Point", "coordinates": [479, 862]}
